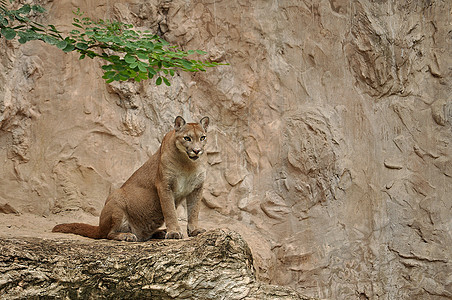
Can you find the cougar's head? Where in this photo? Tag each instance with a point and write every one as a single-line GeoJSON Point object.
{"type": "Point", "coordinates": [191, 138]}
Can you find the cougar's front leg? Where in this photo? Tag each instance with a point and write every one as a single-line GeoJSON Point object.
{"type": "Point", "coordinates": [193, 201]}
{"type": "Point", "coordinates": [169, 211]}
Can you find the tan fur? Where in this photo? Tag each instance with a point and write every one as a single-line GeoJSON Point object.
{"type": "Point", "coordinates": [150, 196]}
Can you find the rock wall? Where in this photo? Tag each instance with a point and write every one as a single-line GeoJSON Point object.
{"type": "Point", "coordinates": [330, 146]}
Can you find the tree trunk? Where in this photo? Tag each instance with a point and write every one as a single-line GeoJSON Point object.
{"type": "Point", "coordinates": [214, 265]}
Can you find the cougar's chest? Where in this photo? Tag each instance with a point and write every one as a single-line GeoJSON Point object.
{"type": "Point", "coordinates": [185, 183]}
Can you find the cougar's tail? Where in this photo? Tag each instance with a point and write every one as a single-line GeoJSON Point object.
{"type": "Point", "coordinates": [82, 229]}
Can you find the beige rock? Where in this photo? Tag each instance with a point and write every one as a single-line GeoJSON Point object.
{"type": "Point", "coordinates": [442, 111]}
{"type": "Point", "coordinates": [7, 209]}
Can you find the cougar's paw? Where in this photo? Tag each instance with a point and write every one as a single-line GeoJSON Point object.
{"type": "Point", "coordinates": [127, 237]}
{"type": "Point", "coordinates": [159, 234]}
{"type": "Point", "coordinates": [195, 232]}
{"type": "Point", "coordinates": [173, 235]}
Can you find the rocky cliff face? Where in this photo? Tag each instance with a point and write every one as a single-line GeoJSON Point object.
{"type": "Point", "coordinates": [330, 146]}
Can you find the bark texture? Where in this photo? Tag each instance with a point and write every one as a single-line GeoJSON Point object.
{"type": "Point", "coordinates": [215, 265]}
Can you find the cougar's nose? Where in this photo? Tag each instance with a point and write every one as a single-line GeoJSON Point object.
{"type": "Point", "coordinates": [196, 151]}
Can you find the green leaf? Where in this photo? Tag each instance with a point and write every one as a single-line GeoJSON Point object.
{"type": "Point", "coordinates": [114, 58]}
{"type": "Point", "coordinates": [129, 59]}
{"type": "Point", "coordinates": [61, 45]}
{"type": "Point", "coordinates": [171, 72]}
{"type": "Point", "coordinates": [24, 9]}
{"type": "Point", "coordinates": [141, 76]}
{"type": "Point", "coordinates": [142, 55]}
{"type": "Point", "coordinates": [148, 45]}
{"type": "Point", "coordinates": [23, 39]}
{"type": "Point", "coordinates": [91, 55]}
{"type": "Point", "coordinates": [166, 81]}
{"type": "Point", "coordinates": [8, 33]}
{"type": "Point", "coordinates": [34, 28]}
{"type": "Point", "coordinates": [107, 67]}
{"type": "Point", "coordinates": [82, 57]}
{"type": "Point", "coordinates": [142, 67]}
{"type": "Point", "coordinates": [21, 18]}
{"type": "Point", "coordinates": [201, 52]}
{"type": "Point", "coordinates": [49, 40]}
{"type": "Point", "coordinates": [57, 36]}
{"type": "Point", "coordinates": [38, 25]}
{"type": "Point", "coordinates": [77, 25]}
{"type": "Point", "coordinates": [82, 46]}
{"type": "Point", "coordinates": [53, 29]}
{"type": "Point", "coordinates": [77, 12]}
{"type": "Point", "coordinates": [3, 21]}
{"type": "Point", "coordinates": [123, 76]}
{"type": "Point", "coordinates": [119, 67]}
{"type": "Point", "coordinates": [69, 48]}
{"type": "Point", "coordinates": [38, 8]}
{"type": "Point", "coordinates": [158, 81]}
{"type": "Point", "coordinates": [109, 75]}
{"type": "Point", "coordinates": [187, 64]}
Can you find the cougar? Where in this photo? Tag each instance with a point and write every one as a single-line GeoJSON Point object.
{"type": "Point", "coordinates": [149, 198]}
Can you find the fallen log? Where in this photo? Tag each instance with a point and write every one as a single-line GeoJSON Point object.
{"type": "Point", "coordinates": [215, 265]}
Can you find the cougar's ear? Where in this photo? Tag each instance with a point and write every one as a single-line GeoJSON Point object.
{"type": "Point", "coordinates": [204, 123]}
{"type": "Point", "coordinates": [179, 123]}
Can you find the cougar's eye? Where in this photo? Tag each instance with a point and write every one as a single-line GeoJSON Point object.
{"type": "Point", "coordinates": [202, 138]}
{"type": "Point", "coordinates": [187, 138]}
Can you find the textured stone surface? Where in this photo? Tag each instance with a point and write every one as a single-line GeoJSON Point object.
{"type": "Point", "coordinates": [330, 142]}
{"type": "Point", "coordinates": [215, 265]}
